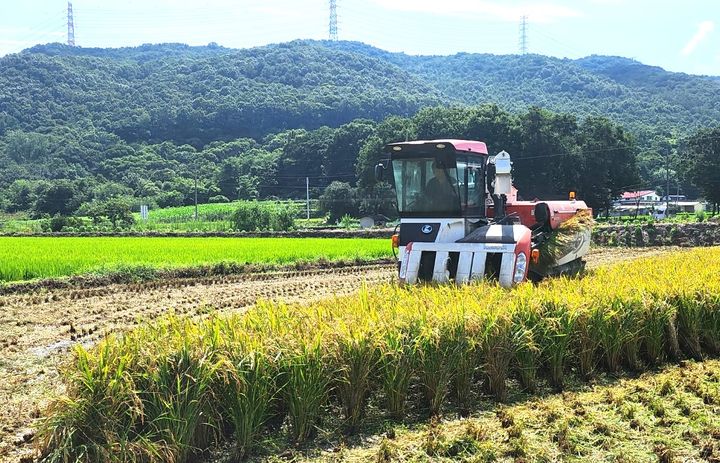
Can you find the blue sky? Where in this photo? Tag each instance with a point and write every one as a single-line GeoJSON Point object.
{"type": "Point", "coordinates": [678, 36]}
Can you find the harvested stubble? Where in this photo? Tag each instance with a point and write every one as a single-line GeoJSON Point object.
{"type": "Point", "coordinates": [139, 396]}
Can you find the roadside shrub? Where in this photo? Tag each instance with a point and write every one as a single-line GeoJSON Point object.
{"type": "Point", "coordinates": [252, 216]}
{"type": "Point", "coordinates": [338, 199]}
{"type": "Point", "coordinates": [218, 199]}
{"type": "Point", "coordinates": [59, 223]}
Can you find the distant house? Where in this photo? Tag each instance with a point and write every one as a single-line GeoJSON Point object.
{"type": "Point", "coordinates": [648, 202]}
{"type": "Point", "coordinates": [633, 197]}
{"type": "Point", "coordinates": [687, 207]}
{"type": "Point", "coordinates": [672, 198]}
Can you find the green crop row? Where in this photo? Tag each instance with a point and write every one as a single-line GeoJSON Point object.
{"type": "Point", "coordinates": [170, 390]}
{"type": "Point", "coordinates": [23, 258]}
{"type": "Point", "coordinates": [218, 212]}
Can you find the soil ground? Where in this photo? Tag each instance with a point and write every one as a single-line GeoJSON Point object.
{"type": "Point", "coordinates": [39, 328]}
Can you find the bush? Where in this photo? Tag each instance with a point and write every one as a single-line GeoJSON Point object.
{"type": "Point", "coordinates": [347, 222]}
{"type": "Point", "coordinates": [115, 210]}
{"type": "Point", "coordinates": [252, 216]}
{"type": "Point", "coordinates": [59, 223]}
{"type": "Point", "coordinates": [338, 199]}
{"type": "Point", "coordinates": [218, 199]}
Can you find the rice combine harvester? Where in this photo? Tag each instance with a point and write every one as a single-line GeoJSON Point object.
{"type": "Point", "coordinates": [460, 219]}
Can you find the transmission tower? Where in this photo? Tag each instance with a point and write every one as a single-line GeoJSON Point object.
{"type": "Point", "coordinates": [71, 26]}
{"type": "Point", "coordinates": [523, 35]}
{"type": "Point", "coordinates": [333, 20]}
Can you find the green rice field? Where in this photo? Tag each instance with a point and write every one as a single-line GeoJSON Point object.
{"type": "Point", "coordinates": [25, 258]}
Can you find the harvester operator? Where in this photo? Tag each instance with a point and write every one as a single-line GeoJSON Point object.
{"type": "Point", "coordinates": [441, 190]}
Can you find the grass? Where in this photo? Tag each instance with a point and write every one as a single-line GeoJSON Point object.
{"type": "Point", "coordinates": [24, 258]}
{"type": "Point", "coordinates": [392, 353]}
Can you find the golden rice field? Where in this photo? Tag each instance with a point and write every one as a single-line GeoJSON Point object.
{"type": "Point", "coordinates": [169, 391]}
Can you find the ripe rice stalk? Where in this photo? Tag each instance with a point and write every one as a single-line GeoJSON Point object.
{"type": "Point", "coordinates": [557, 327]}
{"type": "Point", "coordinates": [177, 399]}
{"type": "Point", "coordinates": [354, 362]}
{"type": "Point", "coordinates": [464, 358]}
{"type": "Point", "coordinates": [526, 350]}
{"type": "Point", "coordinates": [397, 364]}
{"type": "Point", "coordinates": [249, 394]}
{"type": "Point", "coordinates": [305, 386]}
{"type": "Point", "coordinates": [657, 316]}
{"type": "Point", "coordinates": [585, 340]}
{"type": "Point", "coordinates": [632, 327]}
{"type": "Point", "coordinates": [433, 353]}
{"type": "Point", "coordinates": [672, 342]}
{"type": "Point", "coordinates": [614, 330]}
{"type": "Point", "coordinates": [96, 421]}
{"type": "Point", "coordinates": [710, 325]}
{"type": "Point", "coordinates": [495, 341]}
{"type": "Point", "coordinates": [689, 318]}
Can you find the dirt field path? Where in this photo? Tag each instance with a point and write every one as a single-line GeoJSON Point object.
{"type": "Point", "coordinates": [38, 329]}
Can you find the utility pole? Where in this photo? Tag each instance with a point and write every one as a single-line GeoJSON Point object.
{"type": "Point", "coordinates": [71, 26]}
{"type": "Point", "coordinates": [196, 206]}
{"type": "Point", "coordinates": [307, 196]}
{"type": "Point", "coordinates": [667, 181]}
{"type": "Point", "coordinates": [523, 35]}
{"type": "Point", "coordinates": [333, 32]}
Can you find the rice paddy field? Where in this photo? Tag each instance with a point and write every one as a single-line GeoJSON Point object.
{"type": "Point", "coordinates": [538, 373]}
{"type": "Point", "coordinates": [24, 258]}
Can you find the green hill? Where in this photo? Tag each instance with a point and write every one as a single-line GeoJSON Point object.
{"type": "Point", "coordinates": [84, 124]}
{"type": "Point", "coordinates": [201, 94]}
{"type": "Point", "coordinates": [641, 97]}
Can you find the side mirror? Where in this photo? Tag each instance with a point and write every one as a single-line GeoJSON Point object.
{"type": "Point", "coordinates": [379, 172]}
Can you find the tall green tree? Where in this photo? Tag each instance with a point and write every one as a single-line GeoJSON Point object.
{"type": "Point", "coordinates": [338, 199]}
{"type": "Point", "coordinates": [61, 197]}
{"type": "Point", "coordinates": [344, 149]}
{"type": "Point", "coordinates": [606, 154]}
{"type": "Point", "coordinates": [702, 164]}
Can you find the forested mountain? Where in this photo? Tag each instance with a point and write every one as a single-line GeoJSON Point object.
{"type": "Point", "coordinates": [646, 99]}
{"type": "Point", "coordinates": [202, 94]}
{"type": "Point", "coordinates": [79, 125]}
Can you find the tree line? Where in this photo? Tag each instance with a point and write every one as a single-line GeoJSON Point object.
{"type": "Point", "coordinates": [71, 171]}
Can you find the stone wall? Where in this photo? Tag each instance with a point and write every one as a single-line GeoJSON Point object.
{"type": "Point", "coordinates": [671, 234]}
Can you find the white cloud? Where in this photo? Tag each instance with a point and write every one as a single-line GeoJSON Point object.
{"type": "Point", "coordinates": [536, 12]}
{"type": "Point", "coordinates": [704, 28]}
